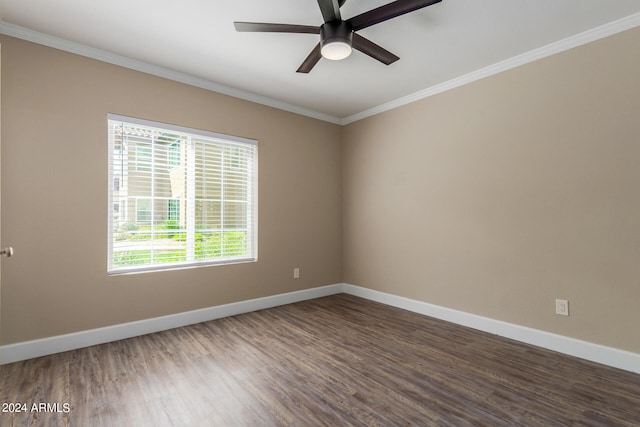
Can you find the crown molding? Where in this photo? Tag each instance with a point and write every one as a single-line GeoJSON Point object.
{"type": "Point", "coordinates": [134, 64]}
{"type": "Point", "coordinates": [585, 37]}
{"type": "Point", "coordinates": [580, 39]}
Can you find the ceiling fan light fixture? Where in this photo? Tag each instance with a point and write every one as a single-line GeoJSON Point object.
{"type": "Point", "coordinates": [335, 40]}
{"type": "Point", "coordinates": [336, 51]}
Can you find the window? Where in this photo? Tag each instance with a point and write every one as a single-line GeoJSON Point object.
{"type": "Point", "coordinates": [174, 154]}
{"type": "Point", "coordinates": [173, 210]}
{"type": "Point", "coordinates": [185, 197]}
{"type": "Point", "coordinates": [143, 211]}
{"type": "Point", "coordinates": [143, 158]}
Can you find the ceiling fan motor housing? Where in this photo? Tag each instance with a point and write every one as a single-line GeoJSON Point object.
{"type": "Point", "coordinates": [336, 32]}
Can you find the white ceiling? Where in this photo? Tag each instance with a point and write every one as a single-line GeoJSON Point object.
{"type": "Point", "coordinates": [196, 39]}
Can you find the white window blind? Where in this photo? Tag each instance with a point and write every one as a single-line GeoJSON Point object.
{"type": "Point", "coordinates": [179, 197]}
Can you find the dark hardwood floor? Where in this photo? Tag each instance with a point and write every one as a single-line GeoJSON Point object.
{"type": "Point", "coordinates": [332, 361]}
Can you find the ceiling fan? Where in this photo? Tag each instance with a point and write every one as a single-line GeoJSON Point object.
{"type": "Point", "coordinates": [338, 36]}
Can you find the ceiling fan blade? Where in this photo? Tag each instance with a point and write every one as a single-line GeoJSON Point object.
{"type": "Point", "coordinates": [368, 47]}
{"type": "Point", "coordinates": [311, 60]}
{"type": "Point", "coordinates": [330, 10]}
{"type": "Point", "coordinates": [386, 12]}
{"type": "Point", "coordinates": [260, 27]}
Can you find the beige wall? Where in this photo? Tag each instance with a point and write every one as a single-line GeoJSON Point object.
{"type": "Point", "coordinates": [54, 195]}
{"type": "Point", "coordinates": [500, 196]}
{"type": "Point", "coordinates": [494, 198]}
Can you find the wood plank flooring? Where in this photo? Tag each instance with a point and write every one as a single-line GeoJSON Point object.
{"type": "Point", "coordinates": [334, 361]}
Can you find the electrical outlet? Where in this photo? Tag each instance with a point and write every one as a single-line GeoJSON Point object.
{"type": "Point", "coordinates": [562, 307]}
{"type": "Point", "coordinates": [296, 273]}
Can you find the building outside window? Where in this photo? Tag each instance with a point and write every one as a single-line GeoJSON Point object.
{"type": "Point", "coordinates": [185, 197]}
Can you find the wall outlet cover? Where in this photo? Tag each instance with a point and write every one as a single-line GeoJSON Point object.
{"type": "Point", "coordinates": [562, 307]}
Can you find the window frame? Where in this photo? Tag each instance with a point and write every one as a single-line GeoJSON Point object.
{"type": "Point", "coordinates": [114, 196]}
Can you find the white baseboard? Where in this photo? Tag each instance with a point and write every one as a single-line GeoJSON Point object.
{"type": "Point", "coordinates": [594, 352]}
{"type": "Point", "coordinates": [57, 344]}
{"type": "Point", "coordinates": [585, 350]}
